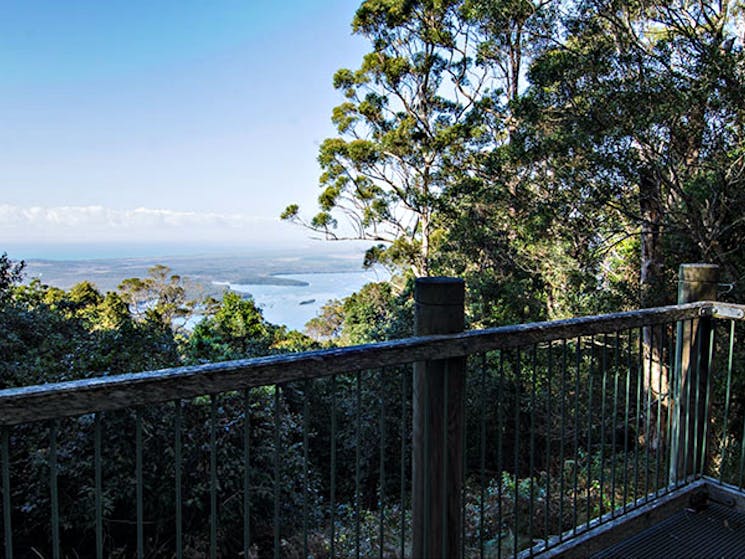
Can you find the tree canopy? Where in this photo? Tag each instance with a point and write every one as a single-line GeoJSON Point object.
{"type": "Point", "coordinates": [562, 156]}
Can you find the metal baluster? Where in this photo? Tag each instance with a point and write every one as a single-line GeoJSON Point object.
{"type": "Point", "coordinates": [500, 426]}
{"type": "Point", "coordinates": [7, 510]}
{"type": "Point", "coordinates": [53, 487]}
{"type": "Point", "coordinates": [277, 469]}
{"type": "Point", "coordinates": [515, 515]}
{"type": "Point", "coordinates": [138, 474]}
{"type": "Point", "coordinates": [696, 407]}
{"type": "Point", "coordinates": [98, 484]}
{"type": "Point", "coordinates": [707, 396]}
{"type": "Point", "coordinates": [306, 474]}
{"type": "Point", "coordinates": [728, 392]}
{"type": "Point", "coordinates": [402, 504]}
{"type": "Point", "coordinates": [178, 458]}
{"type": "Point", "coordinates": [590, 378]}
{"type": "Point", "coordinates": [659, 414]}
{"type": "Point", "coordinates": [332, 502]}
{"type": "Point", "coordinates": [672, 405]}
{"type": "Point", "coordinates": [382, 463]}
{"type": "Point", "coordinates": [213, 477]}
{"type": "Point", "coordinates": [464, 467]}
{"type": "Point", "coordinates": [531, 506]}
{"type": "Point", "coordinates": [616, 356]}
{"type": "Point", "coordinates": [562, 413]}
{"type": "Point", "coordinates": [246, 472]}
{"type": "Point", "coordinates": [443, 490]}
{"type": "Point", "coordinates": [742, 455]}
{"type": "Point", "coordinates": [626, 425]}
{"type": "Point", "coordinates": [549, 423]}
{"type": "Point", "coordinates": [482, 453]}
{"type": "Point", "coordinates": [603, 389]}
{"type": "Point", "coordinates": [689, 375]}
{"type": "Point", "coordinates": [648, 419]}
{"type": "Point", "coordinates": [639, 383]}
{"type": "Point", "coordinates": [575, 479]}
{"type": "Point", "coordinates": [357, 426]}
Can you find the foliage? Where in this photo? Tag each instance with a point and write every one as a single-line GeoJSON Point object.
{"type": "Point", "coordinates": [327, 324]}
{"type": "Point", "coordinates": [237, 330]}
{"type": "Point", "coordinates": [49, 335]}
{"type": "Point", "coordinates": [562, 157]}
{"type": "Point", "coordinates": [377, 312]}
{"type": "Point", "coordinates": [161, 296]}
{"type": "Point", "coordinates": [636, 114]}
{"type": "Point", "coordinates": [409, 120]}
{"type": "Point", "coordinates": [10, 274]}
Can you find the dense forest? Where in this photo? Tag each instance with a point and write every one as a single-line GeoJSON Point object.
{"type": "Point", "coordinates": [562, 157]}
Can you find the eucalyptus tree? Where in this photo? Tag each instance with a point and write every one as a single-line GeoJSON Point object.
{"type": "Point", "coordinates": [495, 233]}
{"type": "Point", "coordinates": [162, 296]}
{"type": "Point", "coordinates": [423, 122]}
{"type": "Point", "coordinates": [411, 116]}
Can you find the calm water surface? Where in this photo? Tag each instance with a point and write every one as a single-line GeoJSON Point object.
{"type": "Point", "coordinates": [293, 306]}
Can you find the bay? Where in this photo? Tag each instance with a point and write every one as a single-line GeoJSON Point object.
{"type": "Point", "coordinates": [294, 305]}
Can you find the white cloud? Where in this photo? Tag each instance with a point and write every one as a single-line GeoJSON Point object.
{"type": "Point", "coordinates": [100, 224]}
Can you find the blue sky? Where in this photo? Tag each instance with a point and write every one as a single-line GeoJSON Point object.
{"type": "Point", "coordinates": [162, 120]}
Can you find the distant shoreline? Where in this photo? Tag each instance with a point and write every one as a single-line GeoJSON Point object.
{"type": "Point", "coordinates": [271, 279]}
{"type": "Point", "coordinates": [201, 271]}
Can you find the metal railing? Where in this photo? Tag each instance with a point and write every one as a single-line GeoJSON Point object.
{"type": "Point", "coordinates": [565, 425]}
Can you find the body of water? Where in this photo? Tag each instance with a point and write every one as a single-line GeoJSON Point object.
{"type": "Point", "coordinates": [294, 305]}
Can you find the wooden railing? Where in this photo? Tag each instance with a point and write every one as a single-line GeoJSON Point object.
{"type": "Point", "coordinates": [550, 428]}
{"type": "Point", "coordinates": [65, 399]}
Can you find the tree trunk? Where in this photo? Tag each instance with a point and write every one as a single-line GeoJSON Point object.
{"type": "Point", "coordinates": [652, 294]}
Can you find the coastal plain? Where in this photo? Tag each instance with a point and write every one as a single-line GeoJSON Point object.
{"type": "Point", "coordinates": [206, 273]}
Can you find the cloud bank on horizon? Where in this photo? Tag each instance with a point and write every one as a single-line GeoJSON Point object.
{"type": "Point", "coordinates": [84, 223]}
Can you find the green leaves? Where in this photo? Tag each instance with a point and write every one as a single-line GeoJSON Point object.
{"type": "Point", "coordinates": [343, 79]}
{"type": "Point", "coordinates": [10, 274]}
{"type": "Point", "coordinates": [362, 152]}
{"type": "Point", "coordinates": [375, 15]}
{"type": "Point", "coordinates": [290, 212]}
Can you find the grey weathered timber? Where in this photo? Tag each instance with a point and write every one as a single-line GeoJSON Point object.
{"type": "Point", "coordinates": [697, 282]}
{"type": "Point", "coordinates": [39, 402]}
{"type": "Point", "coordinates": [729, 311]}
{"type": "Point", "coordinates": [438, 416]}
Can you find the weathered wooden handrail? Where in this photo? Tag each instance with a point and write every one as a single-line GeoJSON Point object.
{"type": "Point", "coordinates": [40, 402]}
{"type": "Point", "coordinates": [730, 311]}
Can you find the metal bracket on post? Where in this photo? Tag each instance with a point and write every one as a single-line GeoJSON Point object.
{"type": "Point", "coordinates": [438, 416]}
{"type": "Point", "coordinates": [697, 282]}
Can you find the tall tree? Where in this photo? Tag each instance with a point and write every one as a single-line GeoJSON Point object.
{"type": "Point", "coordinates": [412, 115]}
{"type": "Point", "coordinates": [160, 297]}
{"type": "Point", "coordinates": [638, 114]}
{"type": "Point", "coordinates": [639, 111]}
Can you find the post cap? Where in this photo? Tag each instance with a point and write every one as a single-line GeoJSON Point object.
{"type": "Point", "coordinates": [439, 290]}
{"type": "Point", "coordinates": [699, 272]}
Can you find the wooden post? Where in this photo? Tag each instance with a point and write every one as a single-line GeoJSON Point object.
{"type": "Point", "coordinates": [697, 282]}
{"type": "Point", "coordinates": [437, 448]}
